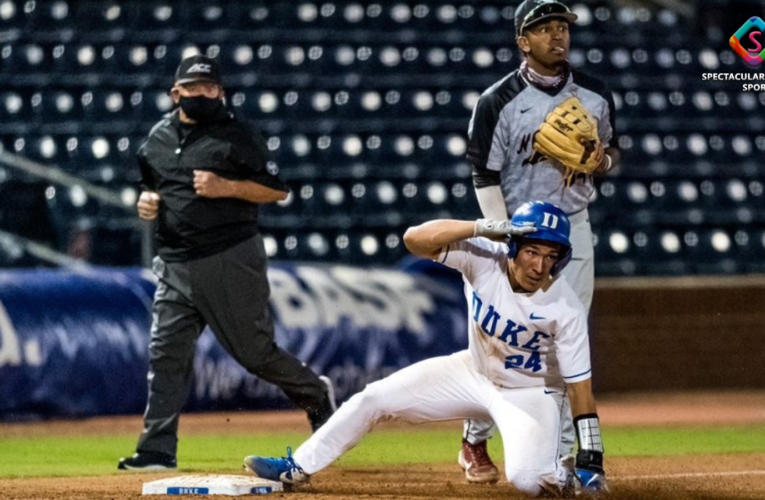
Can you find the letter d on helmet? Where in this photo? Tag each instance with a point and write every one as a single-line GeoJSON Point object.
{"type": "Point", "coordinates": [551, 225]}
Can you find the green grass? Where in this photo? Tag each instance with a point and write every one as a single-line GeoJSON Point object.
{"type": "Point", "coordinates": [78, 456]}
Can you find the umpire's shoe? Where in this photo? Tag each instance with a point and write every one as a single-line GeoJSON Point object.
{"type": "Point", "coordinates": [148, 461]}
{"type": "Point", "coordinates": [476, 462]}
{"type": "Point", "coordinates": [320, 416]}
{"type": "Point", "coordinates": [277, 469]}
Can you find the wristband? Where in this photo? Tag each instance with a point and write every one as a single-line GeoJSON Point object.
{"type": "Point", "coordinates": [588, 432]}
{"type": "Point", "coordinates": [609, 164]}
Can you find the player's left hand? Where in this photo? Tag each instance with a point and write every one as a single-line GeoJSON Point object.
{"type": "Point", "coordinates": [209, 185]}
{"type": "Point", "coordinates": [499, 230]}
{"type": "Point", "coordinates": [569, 135]}
{"type": "Point", "coordinates": [590, 476]}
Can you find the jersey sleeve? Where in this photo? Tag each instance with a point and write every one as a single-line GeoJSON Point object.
{"type": "Point", "coordinates": [573, 346]}
{"type": "Point", "coordinates": [147, 181]}
{"type": "Point", "coordinates": [487, 145]}
{"type": "Point", "coordinates": [607, 122]}
{"type": "Point", "coordinates": [472, 257]}
{"type": "Point", "coordinates": [250, 154]}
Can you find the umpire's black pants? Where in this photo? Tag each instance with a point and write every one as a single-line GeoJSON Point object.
{"type": "Point", "coordinates": [228, 291]}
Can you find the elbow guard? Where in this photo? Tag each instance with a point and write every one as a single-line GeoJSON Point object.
{"type": "Point", "coordinates": [483, 177]}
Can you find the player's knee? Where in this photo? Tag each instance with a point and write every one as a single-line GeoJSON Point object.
{"type": "Point", "coordinates": [530, 482]}
{"type": "Point", "coordinates": [170, 358]}
{"type": "Point", "coordinates": [371, 401]}
{"type": "Point", "coordinates": [260, 361]}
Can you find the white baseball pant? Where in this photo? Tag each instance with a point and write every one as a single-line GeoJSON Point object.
{"type": "Point", "coordinates": [448, 388]}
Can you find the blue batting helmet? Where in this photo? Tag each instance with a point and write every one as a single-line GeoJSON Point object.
{"type": "Point", "coordinates": [551, 225]}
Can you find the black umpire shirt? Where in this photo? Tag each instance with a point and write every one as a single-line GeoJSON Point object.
{"type": "Point", "coordinates": [190, 226]}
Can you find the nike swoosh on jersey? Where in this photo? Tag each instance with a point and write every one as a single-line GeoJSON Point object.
{"type": "Point", "coordinates": [533, 317]}
{"type": "Point", "coordinates": [524, 110]}
{"type": "Point", "coordinates": [550, 392]}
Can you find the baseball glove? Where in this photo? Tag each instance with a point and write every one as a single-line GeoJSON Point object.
{"type": "Point", "coordinates": [569, 135]}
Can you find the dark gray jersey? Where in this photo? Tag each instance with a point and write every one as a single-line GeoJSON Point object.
{"type": "Point", "coordinates": [500, 138]}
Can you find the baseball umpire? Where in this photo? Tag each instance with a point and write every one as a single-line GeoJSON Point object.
{"type": "Point", "coordinates": [540, 133]}
{"type": "Point", "coordinates": [204, 173]}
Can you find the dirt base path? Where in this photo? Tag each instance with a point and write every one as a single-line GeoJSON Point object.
{"type": "Point", "coordinates": [695, 477]}
{"type": "Point", "coordinates": [687, 478]}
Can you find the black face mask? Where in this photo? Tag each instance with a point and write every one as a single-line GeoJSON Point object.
{"type": "Point", "coordinates": [200, 108]}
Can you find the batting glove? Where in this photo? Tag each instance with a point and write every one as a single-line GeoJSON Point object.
{"type": "Point", "coordinates": [499, 230]}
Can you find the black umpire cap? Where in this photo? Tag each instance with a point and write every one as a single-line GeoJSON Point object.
{"type": "Point", "coordinates": [198, 69]}
{"type": "Point", "coordinates": [533, 11]}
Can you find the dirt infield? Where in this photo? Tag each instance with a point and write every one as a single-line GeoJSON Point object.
{"type": "Point", "coordinates": [701, 477]}
{"type": "Point", "coordinates": [634, 478]}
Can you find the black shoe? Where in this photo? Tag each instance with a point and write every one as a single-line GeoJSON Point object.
{"type": "Point", "coordinates": [320, 416]}
{"type": "Point", "coordinates": [148, 460]}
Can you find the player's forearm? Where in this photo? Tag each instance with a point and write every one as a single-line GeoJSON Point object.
{"type": "Point", "coordinates": [582, 399]}
{"type": "Point", "coordinates": [254, 192]}
{"type": "Point", "coordinates": [492, 202]}
{"type": "Point", "coordinates": [610, 161]}
{"type": "Point", "coordinates": [587, 426]}
{"type": "Point", "coordinates": [427, 240]}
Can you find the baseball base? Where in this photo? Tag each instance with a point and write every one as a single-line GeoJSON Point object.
{"type": "Point", "coordinates": [212, 485]}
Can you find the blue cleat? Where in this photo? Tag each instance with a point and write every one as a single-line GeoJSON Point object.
{"type": "Point", "coordinates": [277, 469]}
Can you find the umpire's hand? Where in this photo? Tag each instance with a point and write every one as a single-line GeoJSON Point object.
{"type": "Point", "coordinates": [148, 205]}
{"type": "Point", "coordinates": [209, 185]}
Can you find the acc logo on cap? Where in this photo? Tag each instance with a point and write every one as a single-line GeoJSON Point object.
{"type": "Point", "coordinates": [199, 68]}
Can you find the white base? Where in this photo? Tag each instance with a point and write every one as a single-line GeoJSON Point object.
{"type": "Point", "coordinates": [212, 485]}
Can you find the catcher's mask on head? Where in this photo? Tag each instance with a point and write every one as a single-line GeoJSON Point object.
{"type": "Point", "coordinates": [533, 11]}
{"type": "Point", "coordinates": [551, 225]}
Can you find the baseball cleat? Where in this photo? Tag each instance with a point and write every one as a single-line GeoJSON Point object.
{"type": "Point", "coordinates": [282, 469]}
{"type": "Point", "coordinates": [477, 464]}
{"type": "Point", "coordinates": [148, 461]}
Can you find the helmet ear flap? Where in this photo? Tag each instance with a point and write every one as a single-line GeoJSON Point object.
{"type": "Point", "coordinates": [512, 248]}
{"type": "Point", "coordinates": [563, 261]}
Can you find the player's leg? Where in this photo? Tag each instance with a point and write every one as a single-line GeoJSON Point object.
{"type": "Point", "coordinates": [474, 456]}
{"type": "Point", "coordinates": [529, 420]}
{"type": "Point", "coordinates": [580, 272]}
{"type": "Point", "coordinates": [231, 290]}
{"type": "Point", "coordinates": [176, 326]}
{"type": "Point", "coordinates": [443, 388]}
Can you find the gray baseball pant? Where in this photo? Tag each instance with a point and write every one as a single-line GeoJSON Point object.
{"type": "Point", "coordinates": [228, 291]}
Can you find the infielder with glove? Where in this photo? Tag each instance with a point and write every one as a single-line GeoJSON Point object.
{"type": "Point", "coordinates": [541, 132]}
{"type": "Point", "coordinates": [528, 347]}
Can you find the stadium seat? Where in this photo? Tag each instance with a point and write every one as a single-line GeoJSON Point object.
{"type": "Point", "coordinates": [58, 106]}
{"type": "Point", "coordinates": [711, 251]}
{"type": "Point", "coordinates": [52, 20]}
{"type": "Point", "coordinates": [102, 22]}
{"type": "Point", "coordinates": [365, 108]}
{"type": "Point", "coordinates": [15, 110]}
{"type": "Point", "coordinates": [614, 253]}
{"type": "Point", "coordinates": [12, 16]}
{"type": "Point", "coordinates": [22, 202]}
{"type": "Point", "coordinates": [149, 105]}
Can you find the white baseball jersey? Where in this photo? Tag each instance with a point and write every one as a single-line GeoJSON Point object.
{"type": "Point", "coordinates": [518, 339]}
{"type": "Point", "coordinates": [522, 349]}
